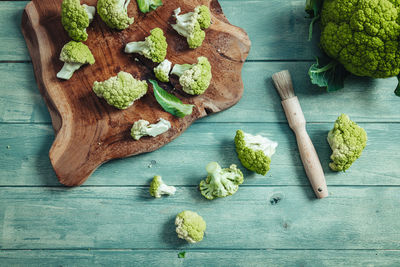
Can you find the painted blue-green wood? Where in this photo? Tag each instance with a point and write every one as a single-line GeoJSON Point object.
{"type": "Point", "coordinates": [352, 217]}
{"type": "Point", "coordinates": [111, 220]}
{"type": "Point", "coordinates": [183, 161]}
{"type": "Point", "coordinates": [201, 258]}
{"type": "Point", "coordinates": [12, 46]}
{"type": "Point", "coordinates": [365, 100]}
{"type": "Point", "coordinates": [277, 33]}
{"type": "Point", "coordinates": [20, 100]}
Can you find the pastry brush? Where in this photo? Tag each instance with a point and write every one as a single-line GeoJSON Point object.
{"type": "Point", "coordinates": [297, 122]}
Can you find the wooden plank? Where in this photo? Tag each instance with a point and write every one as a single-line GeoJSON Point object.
{"type": "Point", "coordinates": [13, 46]}
{"type": "Point", "coordinates": [21, 101]}
{"type": "Point", "coordinates": [277, 28]}
{"type": "Point", "coordinates": [219, 258]}
{"type": "Point", "coordinates": [183, 161]}
{"type": "Point", "coordinates": [254, 218]}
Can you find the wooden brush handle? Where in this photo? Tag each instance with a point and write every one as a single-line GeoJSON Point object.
{"type": "Point", "coordinates": [309, 156]}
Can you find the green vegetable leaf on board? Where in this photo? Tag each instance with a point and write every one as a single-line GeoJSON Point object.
{"type": "Point", "coordinates": [313, 8]}
{"type": "Point", "coordinates": [397, 91]}
{"type": "Point", "coordinates": [331, 76]}
{"type": "Point", "coordinates": [182, 254]}
{"type": "Point", "coordinates": [170, 103]}
{"type": "Point", "coordinates": [148, 5]}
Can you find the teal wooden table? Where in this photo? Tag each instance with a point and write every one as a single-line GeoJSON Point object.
{"type": "Point", "coordinates": [271, 221]}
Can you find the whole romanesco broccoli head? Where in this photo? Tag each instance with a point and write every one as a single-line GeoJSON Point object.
{"type": "Point", "coordinates": [190, 226]}
{"type": "Point", "coordinates": [195, 79]}
{"type": "Point", "coordinates": [158, 187]}
{"type": "Point", "coordinates": [143, 128]}
{"type": "Point", "coordinates": [254, 151]}
{"type": "Point", "coordinates": [76, 18]}
{"type": "Point", "coordinates": [363, 35]}
{"type": "Point", "coordinates": [347, 141]}
{"type": "Point", "coordinates": [121, 91]}
{"type": "Point", "coordinates": [115, 13]}
{"type": "Point", "coordinates": [192, 24]}
{"type": "Point", "coordinates": [220, 182]}
{"type": "Point", "coordinates": [74, 55]}
{"type": "Point", "coordinates": [154, 47]}
{"type": "Point", "coordinates": [162, 71]}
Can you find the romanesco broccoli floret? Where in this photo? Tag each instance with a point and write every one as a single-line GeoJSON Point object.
{"type": "Point", "coordinates": [120, 91]}
{"type": "Point", "coordinates": [220, 182]}
{"type": "Point", "coordinates": [162, 71]}
{"type": "Point", "coordinates": [190, 226]}
{"type": "Point", "coordinates": [74, 55]}
{"type": "Point", "coordinates": [148, 5]}
{"type": "Point", "coordinates": [347, 141]}
{"type": "Point", "coordinates": [114, 13]}
{"type": "Point", "coordinates": [143, 128]}
{"type": "Point", "coordinates": [154, 47]}
{"type": "Point", "coordinates": [195, 79]}
{"type": "Point", "coordinates": [76, 18]}
{"type": "Point", "coordinates": [254, 151]}
{"type": "Point", "coordinates": [158, 187]}
{"type": "Point", "coordinates": [192, 24]}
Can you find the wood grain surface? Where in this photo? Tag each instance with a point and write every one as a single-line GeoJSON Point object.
{"type": "Point", "coordinates": [88, 131]}
{"type": "Point", "coordinates": [272, 220]}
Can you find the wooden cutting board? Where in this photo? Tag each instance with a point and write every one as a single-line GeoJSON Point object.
{"type": "Point", "coordinates": [88, 131]}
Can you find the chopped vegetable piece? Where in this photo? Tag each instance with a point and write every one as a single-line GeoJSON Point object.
{"type": "Point", "coordinates": [190, 226]}
{"type": "Point", "coordinates": [74, 55]}
{"type": "Point", "coordinates": [158, 187]}
{"type": "Point", "coordinates": [254, 151]}
{"type": "Point", "coordinates": [121, 91]}
{"type": "Point", "coordinates": [220, 182]}
{"type": "Point", "coordinates": [170, 103]}
{"type": "Point", "coordinates": [144, 128]}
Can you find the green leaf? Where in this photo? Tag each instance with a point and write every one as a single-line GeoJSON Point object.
{"type": "Point", "coordinates": [313, 8]}
{"type": "Point", "coordinates": [182, 254]}
{"type": "Point", "coordinates": [148, 5]}
{"type": "Point", "coordinates": [331, 76]}
{"type": "Point", "coordinates": [397, 91]}
{"type": "Point", "coordinates": [170, 103]}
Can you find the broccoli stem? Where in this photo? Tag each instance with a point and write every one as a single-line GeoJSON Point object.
{"type": "Point", "coordinates": [68, 70]}
{"type": "Point", "coordinates": [166, 189]}
{"type": "Point", "coordinates": [213, 168]}
{"type": "Point", "coordinates": [397, 91]}
{"type": "Point", "coordinates": [126, 4]}
{"type": "Point", "coordinates": [178, 70]}
{"type": "Point", "coordinates": [136, 47]}
{"type": "Point", "coordinates": [90, 11]}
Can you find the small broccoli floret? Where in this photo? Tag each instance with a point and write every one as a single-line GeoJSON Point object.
{"type": "Point", "coordinates": [115, 13]}
{"type": "Point", "coordinates": [162, 71]}
{"type": "Point", "coordinates": [195, 79]}
{"type": "Point", "coordinates": [190, 226]}
{"type": "Point", "coordinates": [347, 141]}
{"type": "Point", "coordinates": [220, 182]}
{"type": "Point", "coordinates": [121, 91]}
{"type": "Point", "coordinates": [144, 128]}
{"type": "Point", "coordinates": [204, 16]}
{"type": "Point", "coordinates": [154, 47]}
{"type": "Point", "coordinates": [74, 55]}
{"type": "Point", "coordinates": [147, 5]}
{"type": "Point", "coordinates": [76, 18]}
{"type": "Point", "coordinates": [158, 187]}
{"type": "Point", "coordinates": [192, 24]}
{"type": "Point", "coordinates": [254, 152]}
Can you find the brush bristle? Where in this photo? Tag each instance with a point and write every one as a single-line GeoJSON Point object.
{"type": "Point", "coordinates": [283, 84]}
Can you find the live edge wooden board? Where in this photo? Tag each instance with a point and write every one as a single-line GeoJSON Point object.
{"type": "Point", "coordinates": [88, 131]}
